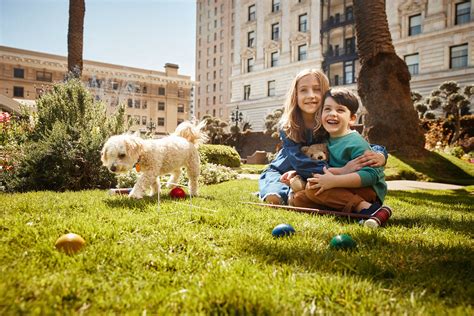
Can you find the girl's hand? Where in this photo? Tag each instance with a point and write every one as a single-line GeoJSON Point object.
{"type": "Point", "coordinates": [286, 177]}
{"type": "Point", "coordinates": [368, 159]}
{"type": "Point", "coordinates": [322, 182]}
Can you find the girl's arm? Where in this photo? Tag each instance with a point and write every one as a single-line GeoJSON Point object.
{"type": "Point", "coordinates": [296, 160]}
{"type": "Point", "coordinates": [370, 158]}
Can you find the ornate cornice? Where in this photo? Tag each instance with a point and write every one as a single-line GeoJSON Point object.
{"type": "Point", "coordinates": [412, 6]}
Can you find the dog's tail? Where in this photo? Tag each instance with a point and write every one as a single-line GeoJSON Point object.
{"type": "Point", "coordinates": [191, 132]}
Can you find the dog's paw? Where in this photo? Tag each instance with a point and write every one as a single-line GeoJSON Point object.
{"type": "Point", "coordinates": [134, 195]}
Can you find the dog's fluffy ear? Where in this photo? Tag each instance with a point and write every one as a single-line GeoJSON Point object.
{"type": "Point", "coordinates": [132, 145]}
{"type": "Point", "coordinates": [103, 155]}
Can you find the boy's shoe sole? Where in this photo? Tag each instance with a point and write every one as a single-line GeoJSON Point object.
{"type": "Point", "coordinates": [273, 199]}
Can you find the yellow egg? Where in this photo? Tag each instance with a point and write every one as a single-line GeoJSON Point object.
{"type": "Point", "coordinates": [70, 243]}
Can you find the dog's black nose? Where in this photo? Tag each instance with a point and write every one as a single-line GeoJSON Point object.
{"type": "Point", "coordinates": [113, 168]}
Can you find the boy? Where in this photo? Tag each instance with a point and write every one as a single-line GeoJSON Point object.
{"type": "Point", "coordinates": [362, 191]}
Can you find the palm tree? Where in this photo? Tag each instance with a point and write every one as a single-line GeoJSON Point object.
{"type": "Point", "coordinates": [75, 36]}
{"type": "Point", "coordinates": [384, 84]}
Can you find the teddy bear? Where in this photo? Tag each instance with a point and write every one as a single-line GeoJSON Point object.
{"type": "Point", "coordinates": [315, 152]}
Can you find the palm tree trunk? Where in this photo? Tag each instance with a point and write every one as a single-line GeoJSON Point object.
{"type": "Point", "coordinates": [384, 84]}
{"type": "Point", "coordinates": [75, 37]}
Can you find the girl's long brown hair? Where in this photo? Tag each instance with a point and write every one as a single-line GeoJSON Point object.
{"type": "Point", "coordinates": [292, 120]}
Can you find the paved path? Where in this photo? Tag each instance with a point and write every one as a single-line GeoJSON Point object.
{"type": "Point", "coordinates": [395, 185]}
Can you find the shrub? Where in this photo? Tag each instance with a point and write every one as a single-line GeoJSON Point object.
{"type": "Point", "coordinates": [220, 155]}
{"type": "Point", "coordinates": [456, 151]}
{"type": "Point", "coordinates": [63, 150]}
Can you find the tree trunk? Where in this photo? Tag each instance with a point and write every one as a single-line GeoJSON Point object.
{"type": "Point", "coordinates": [75, 37]}
{"type": "Point", "coordinates": [384, 84]}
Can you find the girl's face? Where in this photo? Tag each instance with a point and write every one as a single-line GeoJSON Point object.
{"type": "Point", "coordinates": [308, 92]}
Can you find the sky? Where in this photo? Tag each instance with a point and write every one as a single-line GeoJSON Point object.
{"type": "Point", "coordinates": [138, 33]}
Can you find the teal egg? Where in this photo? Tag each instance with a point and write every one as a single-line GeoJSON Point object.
{"type": "Point", "coordinates": [343, 241]}
{"type": "Point", "coordinates": [283, 230]}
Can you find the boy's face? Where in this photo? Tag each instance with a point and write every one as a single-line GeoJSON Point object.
{"type": "Point", "coordinates": [336, 118]}
{"type": "Point", "coordinates": [309, 95]}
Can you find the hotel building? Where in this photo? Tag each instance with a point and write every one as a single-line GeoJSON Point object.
{"type": "Point", "coordinates": [155, 101]}
{"type": "Point", "coordinates": [274, 39]}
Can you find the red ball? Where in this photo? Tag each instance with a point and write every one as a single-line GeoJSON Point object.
{"type": "Point", "coordinates": [177, 193]}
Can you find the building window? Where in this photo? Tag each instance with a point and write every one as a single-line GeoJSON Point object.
{"type": "Point", "coordinates": [250, 63]}
{"type": "Point", "coordinates": [161, 121]}
{"type": "Point", "coordinates": [161, 106]}
{"type": "Point", "coordinates": [130, 103]}
{"type": "Point", "coordinates": [350, 45]}
{"type": "Point", "coordinates": [412, 62]}
{"type": "Point", "coordinates": [271, 88]}
{"type": "Point", "coordinates": [348, 72]}
{"type": "Point", "coordinates": [274, 59]}
{"type": "Point", "coordinates": [18, 72]}
{"type": "Point", "coordinates": [303, 23]}
{"type": "Point", "coordinates": [275, 31]}
{"type": "Point", "coordinates": [180, 108]}
{"type": "Point", "coordinates": [137, 104]}
{"type": "Point", "coordinates": [18, 92]}
{"type": "Point", "coordinates": [302, 52]}
{"type": "Point", "coordinates": [161, 91]}
{"type": "Point", "coordinates": [415, 25]}
{"type": "Point", "coordinates": [458, 56]}
{"type": "Point", "coordinates": [251, 39]}
{"type": "Point", "coordinates": [145, 105]}
{"type": "Point", "coordinates": [44, 76]}
{"type": "Point", "coordinates": [179, 121]}
{"type": "Point", "coordinates": [247, 92]}
{"type": "Point", "coordinates": [463, 12]}
{"type": "Point", "coordinates": [143, 120]}
{"type": "Point", "coordinates": [115, 85]}
{"type": "Point", "coordinates": [144, 90]}
{"type": "Point", "coordinates": [349, 13]}
{"type": "Point", "coordinates": [275, 5]}
{"type": "Point", "coordinates": [251, 12]}
{"type": "Point", "coordinates": [181, 91]}
{"type": "Point", "coordinates": [136, 119]}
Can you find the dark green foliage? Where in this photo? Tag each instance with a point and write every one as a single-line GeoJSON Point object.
{"type": "Point", "coordinates": [63, 150]}
{"type": "Point", "coordinates": [271, 123]}
{"type": "Point", "coordinates": [215, 129]}
{"type": "Point", "coordinates": [220, 155]}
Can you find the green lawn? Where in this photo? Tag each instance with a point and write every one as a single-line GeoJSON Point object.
{"type": "Point", "coordinates": [220, 256]}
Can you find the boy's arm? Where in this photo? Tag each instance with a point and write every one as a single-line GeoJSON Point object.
{"type": "Point", "coordinates": [328, 180]}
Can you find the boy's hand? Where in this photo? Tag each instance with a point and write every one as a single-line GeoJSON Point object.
{"type": "Point", "coordinates": [324, 181]}
{"type": "Point", "coordinates": [286, 177]}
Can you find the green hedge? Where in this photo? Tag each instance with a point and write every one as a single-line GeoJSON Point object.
{"type": "Point", "coordinates": [220, 155]}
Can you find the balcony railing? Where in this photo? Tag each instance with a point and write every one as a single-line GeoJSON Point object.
{"type": "Point", "coordinates": [337, 21]}
{"type": "Point", "coordinates": [332, 56]}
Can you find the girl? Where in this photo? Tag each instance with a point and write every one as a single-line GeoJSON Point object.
{"type": "Point", "coordinates": [300, 125]}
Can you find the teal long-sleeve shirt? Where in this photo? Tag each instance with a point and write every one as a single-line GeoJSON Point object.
{"type": "Point", "coordinates": [345, 148]}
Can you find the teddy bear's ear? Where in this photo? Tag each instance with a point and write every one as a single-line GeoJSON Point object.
{"type": "Point", "coordinates": [304, 149]}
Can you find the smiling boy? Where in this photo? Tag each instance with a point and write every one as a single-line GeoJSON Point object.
{"type": "Point", "coordinates": [362, 191]}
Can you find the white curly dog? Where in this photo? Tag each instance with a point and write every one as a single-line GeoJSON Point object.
{"type": "Point", "coordinates": [157, 157]}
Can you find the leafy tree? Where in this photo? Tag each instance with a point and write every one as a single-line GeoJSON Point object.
{"type": "Point", "coordinates": [215, 129]}
{"type": "Point", "coordinates": [417, 100]}
{"type": "Point", "coordinates": [75, 37]}
{"type": "Point", "coordinates": [384, 83]}
{"type": "Point", "coordinates": [271, 123]}
{"type": "Point", "coordinates": [453, 102]}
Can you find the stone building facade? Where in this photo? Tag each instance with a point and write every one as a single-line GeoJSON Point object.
{"type": "Point", "coordinates": [155, 101]}
{"type": "Point", "coordinates": [275, 39]}
{"type": "Point", "coordinates": [214, 52]}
